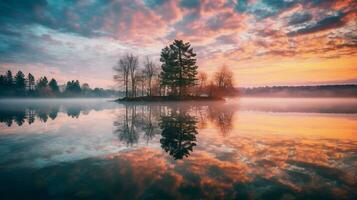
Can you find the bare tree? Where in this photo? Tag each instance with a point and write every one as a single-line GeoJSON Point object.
{"type": "Point", "coordinates": [224, 78]}
{"type": "Point", "coordinates": [202, 82]}
{"type": "Point", "coordinates": [140, 81]}
{"type": "Point", "coordinates": [122, 73]}
{"type": "Point", "coordinates": [149, 71]}
{"type": "Point", "coordinates": [132, 61]}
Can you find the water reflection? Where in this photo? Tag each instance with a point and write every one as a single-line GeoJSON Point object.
{"type": "Point", "coordinates": [178, 133]}
{"type": "Point", "coordinates": [107, 150]}
{"type": "Point", "coordinates": [176, 125]}
{"type": "Point", "coordinates": [28, 111]}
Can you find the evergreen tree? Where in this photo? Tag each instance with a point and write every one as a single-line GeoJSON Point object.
{"type": "Point", "coordinates": [2, 84]}
{"type": "Point", "coordinates": [73, 87]}
{"type": "Point", "coordinates": [20, 83]}
{"type": "Point", "coordinates": [42, 83]}
{"type": "Point", "coordinates": [54, 86]}
{"type": "Point", "coordinates": [179, 68]}
{"type": "Point", "coordinates": [30, 82]}
{"type": "Point", "coordinates": [9, 80]}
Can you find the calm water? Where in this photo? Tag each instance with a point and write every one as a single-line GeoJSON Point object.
{"type": "Point", "coordinates": [241, 149]}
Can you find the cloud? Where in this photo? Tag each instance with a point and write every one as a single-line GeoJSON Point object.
{"type": "Point", "coordinates": [154, 3]}
{"type": "Point", "coordinates": [190, 3]}
{"type": "Point", "coordinates": [299, 18]}
{"type": "Point", "coordinates": [329, 22]}
{"type": "Point", "coordinates": [69, 35]}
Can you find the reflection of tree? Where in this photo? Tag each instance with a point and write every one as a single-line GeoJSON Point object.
{"type": "Point", "coordinates": [74, 111]}
{"type": "Point", "coordinates": [148, 126]}
{"type": "Point", "coordinates": [20, 118]}
{"type": "Point", "coordinates": [126, 129]}
{"type": "Point", "coordinates": [222, 117]}
{"type": "Point", "coordinates": [43, 115]}
{"type": "Point", "coordinates": [31, 116]}
{"type": "Point", "coordinates": [135, 122]}
{"type": "Point", "coordinates": [53, 113]}
{"type": "Point", "coordinates": [178, 134]}
{"type": "Point", "coordinates": [17, 113]}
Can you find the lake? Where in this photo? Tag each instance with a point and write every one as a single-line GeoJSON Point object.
{"type": "Point", "coordinates": [263, 148]}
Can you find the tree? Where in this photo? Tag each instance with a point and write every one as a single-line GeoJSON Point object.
{"type": "Point", "coordinates": [132, 62]}
{"type": "Point", "coordinates": [140, 79]}
{"type": "Point", "coordinates": [149, 71]}
{"type": "Point", "coordinates": [54, 86]}
{"type": "Point", "coordinates": [73, 87]}
{"type": "Point", "coordinates": [122, 70]}
{"type": "Point", "coordinates": [202, 82]}
{"type": "Point", "coordinates": [42, 88]}
{"type": "Point", "coordinates": [42, 83]}
{"type": "Point", "coordinates": [2, 84]}
{"type": "Point", "coordinates": [9, 80]}
{"type": "Point", "coordinates": [20, 83]}
{"type": "Point", "coordinates": [179, 68]}
{"type": "Point", "coordinates": [30, 82]}
{"type": "Point", "coordinates": [224, 78]}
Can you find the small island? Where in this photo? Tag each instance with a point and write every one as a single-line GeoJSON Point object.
{"type": "Point", "coordinates": [177, 79]}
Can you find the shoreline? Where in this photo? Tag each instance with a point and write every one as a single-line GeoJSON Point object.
{"type": "Point", "coordinates": [168, 99]}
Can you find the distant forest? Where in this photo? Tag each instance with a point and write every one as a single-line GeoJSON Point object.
{"type": "Point", "coordinates": [301, 91]}
{"type": "Point", "coordinates": [27, 86]}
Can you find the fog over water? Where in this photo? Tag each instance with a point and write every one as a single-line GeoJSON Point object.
{"type": "Point", "coordinates": [247, 148]}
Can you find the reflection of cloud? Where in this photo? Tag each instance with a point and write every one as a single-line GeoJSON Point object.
{"type": "Point", "coordinates": [265, 155]}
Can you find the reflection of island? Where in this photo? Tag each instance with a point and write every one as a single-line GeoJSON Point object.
{"type": "Point", "coordinates": [9, 117]}
{"type": "Point", "coordinates": [136, 120]}
{"type": "Point", "coordinates": [30, 111]}
{"type": "Point", "coordinates": [176, 125]}
{"type": "Point", "coordinates": [178, 133]}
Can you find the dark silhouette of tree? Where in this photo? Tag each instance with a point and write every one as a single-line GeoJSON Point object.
{"type": "Point", "coordinates": [20, 83]}
{"type": "Point", "coordinates": [178, 134]}
{"type": "Point", "coordinates": [53, 85]}
{"type": "Point", "coordinates": [2, 85]}
{"type": "Point", "coordinates": [73, 87]}
{"type": "Point", "coordinates": [122, 73]}
{"type": "Point", "coordinates": [132, 62]}
{"type": "Point", "coordinates": [7, 84]}
{"type": "Point", "coordinates": [9, 79]}
{"type": "Point", "coordinates": [149, 71]}
{"type": "Point", "coordinates": [179, 68]}
{"type": "Point", "coordinates": [42, 88]}
{"type": "Point", "coordinates": [30, 82]}
{"type": "Point", "coordinates": [42, 83]}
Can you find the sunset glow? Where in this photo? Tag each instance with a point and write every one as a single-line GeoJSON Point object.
{"type": "Point", "coordinates": [281, 42]}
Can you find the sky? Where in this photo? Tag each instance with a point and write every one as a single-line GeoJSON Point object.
{"type": "Point", "coordinates": [264, 42]}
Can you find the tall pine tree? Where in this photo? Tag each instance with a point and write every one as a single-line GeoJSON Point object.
{"type": "Point", "coordinates": [179, 68]}
{"type": "Point", "coordinates": [20, 83]}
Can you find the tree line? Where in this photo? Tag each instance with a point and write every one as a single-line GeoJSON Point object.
{"type": "Point", "coordinates": [177, 76]}
{"type": "Point", "coordinates": [27, 86]}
